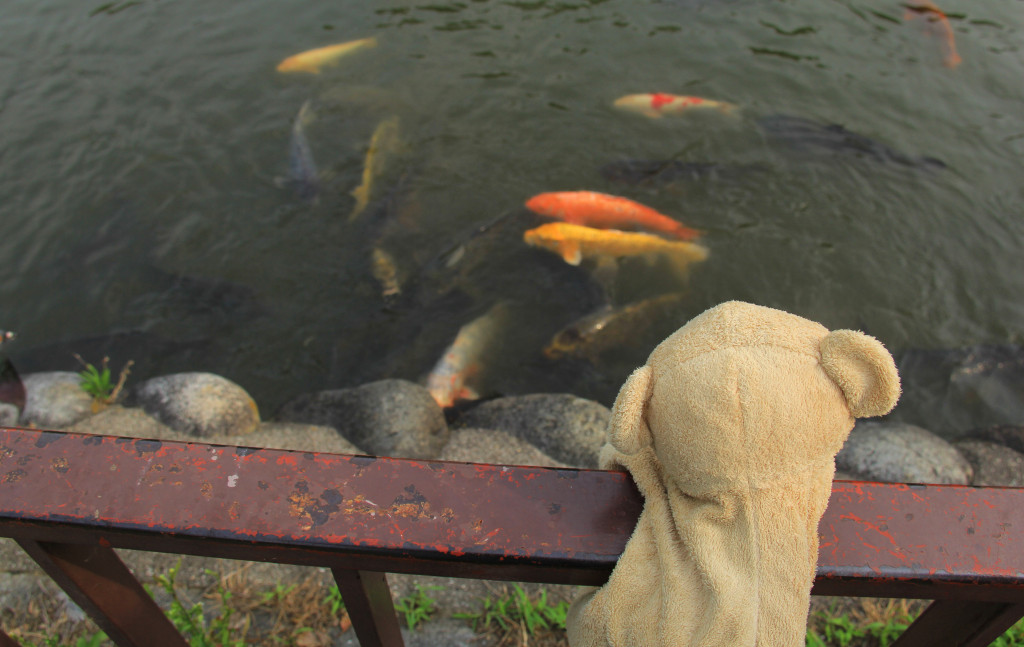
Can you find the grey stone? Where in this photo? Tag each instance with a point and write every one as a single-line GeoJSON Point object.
{"type": "Point", "coordinates": [8, 415]}
{"type": "Point", "coordinates": [496, 447]}
{"type": "Point", "coordinates": [900, 453]}
{"type": "Point", "coordinates": [1011, 436]}
{"type": "Point", "coordinates": [385, 418]}
{"type": "Point", "coordinates": [116, 420]}
{"type": "Point", "coordinates": [563, 426]}
{"type": "Point", "coordinates": [54, 399]}
{"type": "Point", "coordinates": [993, 464]}
{"type": "Point", "coordinates": [199, 404]}
{"type": "Point", "coordinates": [296, 436]}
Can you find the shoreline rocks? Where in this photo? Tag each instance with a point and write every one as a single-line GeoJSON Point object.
{"type": "Point", "coordinates": [394, 417]}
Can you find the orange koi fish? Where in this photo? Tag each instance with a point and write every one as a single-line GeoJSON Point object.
{"type": "Point", "coordinates": [939, 25]}
{"type": "Point", "coordinates": [659, 104]}
{"type": "Point", "coordinates": [311, 61]}
{"type": "Point", "coordinates": [603, 211]}
{"type": "Point", "coordinates": [574, 242]}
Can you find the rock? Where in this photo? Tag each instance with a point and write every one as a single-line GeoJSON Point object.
{"type": "Point", "coordinates": [956, 389]}
{"type": "Point", "coordinates": [989, 384]}
{"type": "Point", "coordinates": [896, 452]}
{"type": "Point", "coordinates": [385, 418]}
{"type": "Point", "coordinates": [495, 447]}
{"type": "Point", "coordinates": [199, 404]}
{"type": "Point", "coordinates": [563, 426]}
{"type": "Point", "coordinates": [295, 436]}
{"type": "Point", "coordinates": [1011, 436]}
{"type": "Point", "coordinates": [8, 415]}
{"type": "Point", "coordinates": [54, 400]}
{"type": "Point", "coordinates": [116, 420]}
{"type": "Point", "coordinates": [993, 464]}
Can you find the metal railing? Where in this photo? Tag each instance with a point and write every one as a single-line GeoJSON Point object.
{"type": "Point", "coordinates": [70, 499]}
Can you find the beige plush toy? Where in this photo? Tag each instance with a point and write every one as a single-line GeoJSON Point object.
{"type": "Point", "coordinates": [730, 432]}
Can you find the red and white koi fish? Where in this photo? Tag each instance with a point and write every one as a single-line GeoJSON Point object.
{"type": "Point", "coordinates": [938, 25]}
{"type": "Point", "coordinates": [603, 211]}
{"type": "Point", "coordinates": [659, 104]}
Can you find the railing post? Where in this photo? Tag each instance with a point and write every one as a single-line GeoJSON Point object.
{"type": "Point", "coordinates": [963, 623]}
{"type": "Point", "coordinates": [99, 582]}
{"type": "Point", "coordinates": [368, 601]}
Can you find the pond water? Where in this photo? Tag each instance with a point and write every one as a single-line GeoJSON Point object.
{"type": "Point", "coordinates": [142, 143]}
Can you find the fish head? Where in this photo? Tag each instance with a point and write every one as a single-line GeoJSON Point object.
{"type": "Point", "coordinates": [564, 343]}
{"type": "Point", "coordinates": [548, 236]}
{"type": "Point", "coordinates": [545, 204]}
{"type": "Point", "coordinates": [296, 64]}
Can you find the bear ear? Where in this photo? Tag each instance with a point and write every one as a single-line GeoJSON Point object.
{"type": "Point", "coordinates": [628, 430]}
{"type": "Point", "coordinates": [863, 369]}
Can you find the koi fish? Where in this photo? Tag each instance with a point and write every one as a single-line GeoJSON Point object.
{"type": "Point", "coordinates": [385, 270]}
{"type": "Point", "coordinates": [312, 60]}
{"type": "Point", "coordinates": [940, 26]}
{"type": "Point", "coordinates": [574, 242]}
{"type": "Point", "coordinates": [303, 174]}
{"type": "Point", "coordinates": [464, 358]}
{"type": "Point", "coordinates": [807, 135]}
{"type": "Point", "coordinates": [659, 104]}
{"type": "Point", "coordinates": [611, 327]}
{"type": "Point", "coordinates": [383, 143]}
{"type": "Point", "coordinates": [603, 211]}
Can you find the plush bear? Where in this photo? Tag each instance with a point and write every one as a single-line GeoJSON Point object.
{"type": "Point", "coordinates": [730, 432]}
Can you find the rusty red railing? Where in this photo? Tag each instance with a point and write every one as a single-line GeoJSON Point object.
{"type": "Point", "coordinates": [71, 499]}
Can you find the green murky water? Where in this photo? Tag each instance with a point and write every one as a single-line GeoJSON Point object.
{"type": "Point", "coordinates": [140, 142]}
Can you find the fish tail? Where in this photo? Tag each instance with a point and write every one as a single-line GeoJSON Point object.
{"type": "Point", "coordinates": [685, 255]}
{"type": "Point", "coordinates": [305, 116]}
{"type": "Point", "coordinates": [728, 108]}
{"type": "Point", "coordinates": [682, 232]}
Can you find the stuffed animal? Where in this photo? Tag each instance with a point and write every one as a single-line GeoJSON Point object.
{"type": "Point", "coordinates": [730, 431]}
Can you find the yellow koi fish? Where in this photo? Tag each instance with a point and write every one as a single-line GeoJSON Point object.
{"type": "Point", "coordinates": [659, 104]}
{"type": "Point", "coordinates": [311, 61]}
{"type": "Point", "coordinates": [385, 270]}
{"type": "Point", "coordinates": [574, 242]}
{"type": "Point", "coordinates": [383, 143]}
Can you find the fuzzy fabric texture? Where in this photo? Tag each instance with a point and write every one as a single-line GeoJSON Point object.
{"type": "Point", "coordinates": [730, 431]}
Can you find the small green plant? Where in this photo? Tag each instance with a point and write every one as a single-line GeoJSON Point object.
{"type": "Point", "coordinates": [96, 381]}
{"type": "Point", "coordinates": [418, 607]}
{"type": "Point", "coordinates": [94, 640]}
{"type": "Point", "coordinates": [333, 600]}
{"type": "Point", "coordinates": [516, 608]}
{"type": "Point", "coordinates": [189, 620]}
{"type": "Point", "coordinates": [1014, 636]}
{"type": "Point", "coordinates": [277, 594]}
{"type": "Point", "coordinates": [840, 631]}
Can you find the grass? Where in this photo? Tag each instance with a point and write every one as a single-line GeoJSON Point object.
{"type": "Point", "coordinates": [515, 618]}
{"type": "Point", "coordinates": [96, 382]}
{"type": "Point", "coordinates": [231, 612]}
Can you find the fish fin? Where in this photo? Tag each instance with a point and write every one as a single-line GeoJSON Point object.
{"type": "Point", "coordinates": [571, 252]}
